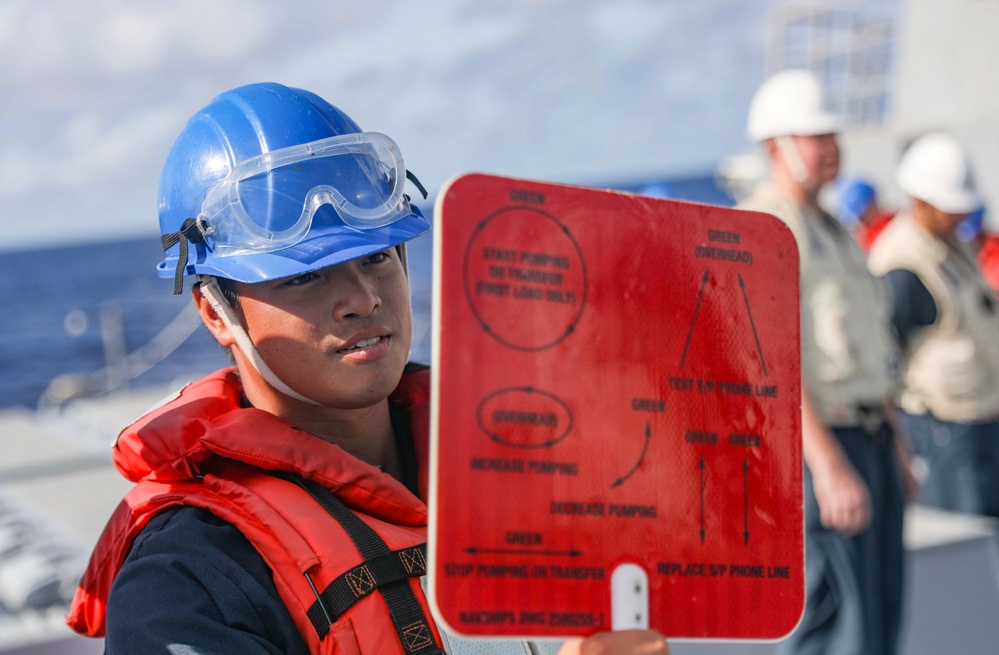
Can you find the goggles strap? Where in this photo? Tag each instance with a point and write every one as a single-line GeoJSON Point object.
{"type": "Point", "coordinates": [416, 182]}
{"type": "Point", "coordinates": [189, 231]}
{"type": "Point", "coordinates": [211, 291]}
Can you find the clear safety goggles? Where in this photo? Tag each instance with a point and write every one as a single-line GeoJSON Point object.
{"type": "Point", "coordinates": [268, 202]}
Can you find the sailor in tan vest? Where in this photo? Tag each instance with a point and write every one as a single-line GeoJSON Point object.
{"type": "Point", "coordinates": [853, 494]}
{"type": "Point", "coordinates": [947, 323]}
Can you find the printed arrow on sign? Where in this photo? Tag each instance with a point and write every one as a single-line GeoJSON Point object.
{"type": "Point", "coordinates": [702, 499]}
{"type": "Point", "coordinates": [745, 500]}
{"type": "Point", "coordinates": [749, 311]}
{"type": "Point", "coordinates": [473, 550]}
{"type": "Point", "coordinates": [693, 320]}
{"type": "Point", "coordinates": [634, 469]}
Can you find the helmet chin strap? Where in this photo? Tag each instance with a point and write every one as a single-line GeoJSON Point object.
{"type": "Point", "coordinates": [789, 150]}
{"type": "Point", "coordinates": [211, 291]}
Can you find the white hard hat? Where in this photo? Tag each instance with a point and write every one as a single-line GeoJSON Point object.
{"type": "Point", "coordinates": [789, 103]}
{"type": "Point", "coordinates": [936, 170]}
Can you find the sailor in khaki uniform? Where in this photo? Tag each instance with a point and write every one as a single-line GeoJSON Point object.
{"type": "Point", "coordinates": [853, 494]}
{"type": "Point", "coordinates": [947, 322]}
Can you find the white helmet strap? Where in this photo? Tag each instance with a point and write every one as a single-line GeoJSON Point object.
{"type": "Point", "coordinates": [792, 157]}
{"type": "Point", "coordinates": [211, 291]}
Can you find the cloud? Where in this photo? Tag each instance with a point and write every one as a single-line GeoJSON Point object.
{"type": "Point", "coordinates": [566, 90]}
{"type": "Point", "coordinates": [67, 44]}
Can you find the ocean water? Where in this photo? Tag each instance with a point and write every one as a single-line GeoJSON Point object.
{"type": "Point", "coordinates": [52, 302]}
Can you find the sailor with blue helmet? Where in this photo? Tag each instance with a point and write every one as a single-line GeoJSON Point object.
{"type": "Point", "coordinates": [858, 210]}
{"type": "Point", "coordinates": [279, 505]}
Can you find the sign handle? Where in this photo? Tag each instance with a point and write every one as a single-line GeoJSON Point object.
{"type": "Point", "coordinates": [629, 598]}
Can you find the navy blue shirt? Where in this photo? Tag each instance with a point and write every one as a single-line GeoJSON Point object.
{"type": "Point", "coordinates": [193, 584]}
{"type": "Point", "coordinates": [913, 306]}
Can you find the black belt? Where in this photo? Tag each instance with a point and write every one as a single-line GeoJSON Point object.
{"type": "Point", "coordinates": [873, 420]}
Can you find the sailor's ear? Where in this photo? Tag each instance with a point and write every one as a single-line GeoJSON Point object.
{"type": "Point", "coordinates": [211, 319]}
{"type": "Point", "coordinates": [770, 149]}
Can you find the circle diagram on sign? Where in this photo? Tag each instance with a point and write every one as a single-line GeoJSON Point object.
{"type": "Point", "coordinates": [524, 417]}
{"type": "Point", "coordinates": [527, 297]}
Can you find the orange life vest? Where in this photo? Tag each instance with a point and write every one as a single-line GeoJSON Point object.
{"type": "Point", "coordinates": [263, 475]}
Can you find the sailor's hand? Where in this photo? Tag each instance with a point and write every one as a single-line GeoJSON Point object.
{"type": "Point", "coordinates": [908, 480]}
{"type": "Point", "coordinates": [906, 462]}
{"type": "Point", "coordinates": [842, 495]}
{"type": "Point", "coordinates": [621, 642]}
{"type": "Point", "coordinates": [843, 498]}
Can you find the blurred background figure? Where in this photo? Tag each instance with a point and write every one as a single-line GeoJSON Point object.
{"type": "Point", "coordinates": [858, 209]}
{"type": "Point", "coordinates": [738, 175]}
{"type": "Point", "coordinates": [970, 229]}
{"type": "Point", "coordinates": [658, 190]}
{"type": "Point", "coordinates": [947, 324]}
{"type": "Point", "coordinates": [854, 503]}
{"type": "Point", "coordinates": [985, 244]}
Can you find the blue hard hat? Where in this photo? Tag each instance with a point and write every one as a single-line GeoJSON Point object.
{"type": "Point", "coordinates": [971, 226]}
{"type": "Point", "coordinates": [855, 197]}
{"type": "Point", "coordinates": [268, 181]}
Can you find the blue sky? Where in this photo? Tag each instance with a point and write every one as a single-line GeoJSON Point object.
{"type": "Point", "coordinates": [580, 91]}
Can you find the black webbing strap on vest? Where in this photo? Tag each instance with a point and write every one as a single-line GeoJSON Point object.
{"type": "Point", "coordinates": [383, 569]}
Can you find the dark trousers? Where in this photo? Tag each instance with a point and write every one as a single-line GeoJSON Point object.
{"type": "Point", "coordinates": [962, 463]}
{"type": "Point", "coordinates": [854, 584]}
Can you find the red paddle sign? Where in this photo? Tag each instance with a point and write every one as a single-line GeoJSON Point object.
{"type": "Point", "coordinates": [616, 382]}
